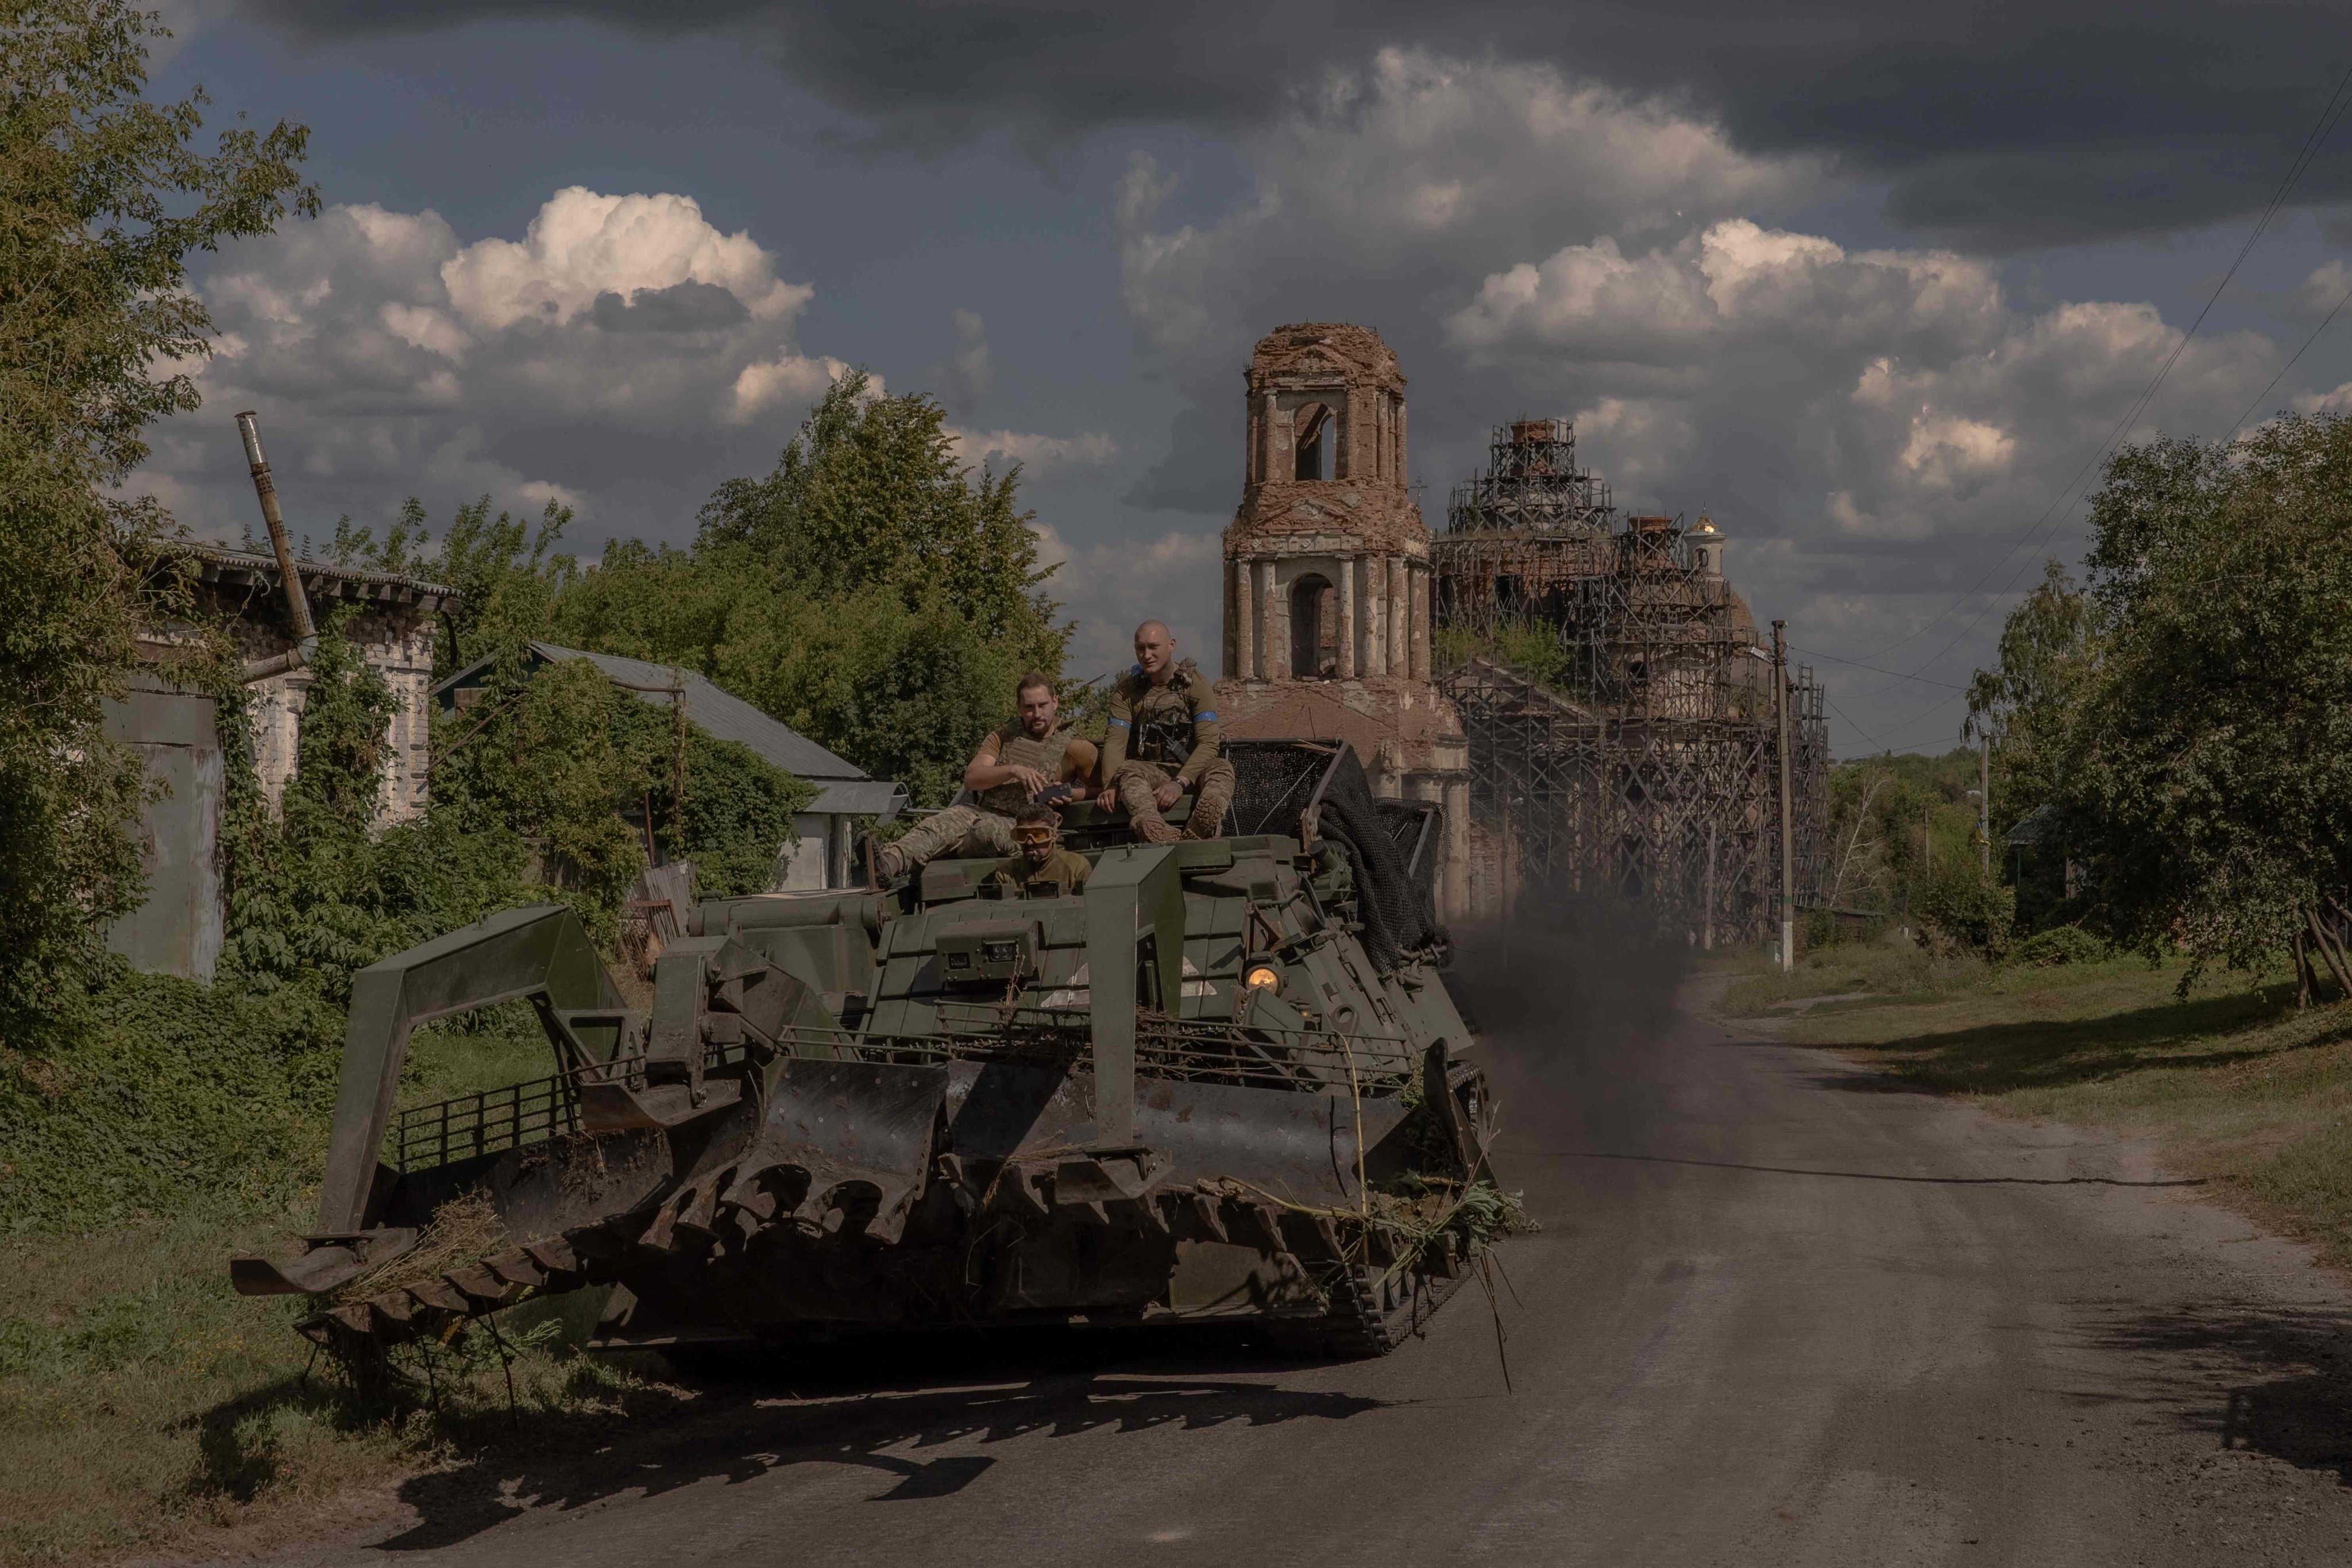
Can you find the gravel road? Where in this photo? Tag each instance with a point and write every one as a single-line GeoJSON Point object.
{"type": "Point", "coordinates": [1777, 1314]}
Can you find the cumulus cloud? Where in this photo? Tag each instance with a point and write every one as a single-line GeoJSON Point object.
{"type": "Point", "coordinates": [1872, 426]}
{"type": "Point", "coordinates": [618, 356]}
{"type": "Point", "coordinates": [1419, 164]}
{"type": "Point", "coordinates": [1382, 190]}
{"type": "Point", "coordinates": [1037, 454]}
{"type": "Point", "coordinates": [964, 379]}
{"type": "Point", "coordinates": [2324, 291]}
{"type": "Point", "coordinates": [1119, 585]}
{"type": "Point", "coordinates": [1898, 395]}
{"type": "Point", "coordinates": [582, 246]}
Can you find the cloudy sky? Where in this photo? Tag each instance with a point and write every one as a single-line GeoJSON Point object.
{"type": "Point", "coordinates": [1873, 286]}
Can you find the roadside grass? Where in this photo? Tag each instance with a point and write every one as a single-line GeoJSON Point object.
{"type": "Point", "coordinates": [2232, 1082]}
{"type": "Point", "coordinates": [143, 1403]}
{"type": "Point", "coordinates": [1878, 970]}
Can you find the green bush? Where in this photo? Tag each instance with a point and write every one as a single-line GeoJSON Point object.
{"type": "Point", "coordinates": [153, 1092]}
{"type": "Point", "coordinates": [2059, 945]}
{"type": "Point", "coordinates": [1965, 909]}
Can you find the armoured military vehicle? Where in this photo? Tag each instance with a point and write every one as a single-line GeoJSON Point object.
{"type": "Point", "coordinates": [1224, 1083]}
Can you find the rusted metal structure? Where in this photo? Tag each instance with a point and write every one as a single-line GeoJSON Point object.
{"type": "Point", "coordinates": [1631, 751]}
{"type": "Point", "coordinates": [1222, 1083]}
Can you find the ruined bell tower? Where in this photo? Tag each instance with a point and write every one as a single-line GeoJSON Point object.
{"type": "Point", "coordinates": [1327, 613]}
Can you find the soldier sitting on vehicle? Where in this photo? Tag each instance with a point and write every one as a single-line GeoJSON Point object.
{"type": "Point", "coordinates": [1163, 742]}
{"type": "Point", "coordinates": [1017, 762]}
{"type": "Point", "coordinates": [1040, 861]}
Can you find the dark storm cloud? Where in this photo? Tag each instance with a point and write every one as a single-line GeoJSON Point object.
{"type": "Point", "coordinates": [2002, 124]}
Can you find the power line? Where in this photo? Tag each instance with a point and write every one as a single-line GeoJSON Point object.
{"type": "Point", "coordinates": [1874, 669]}
{"type": "Point", "coordinates": [2266, 392]}
{"type": "Point", "coordinates": [2330, 115]}
{"type": "Point", "coordinates": [1849, 719]}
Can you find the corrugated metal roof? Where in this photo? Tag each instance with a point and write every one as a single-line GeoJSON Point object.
{"type": "Point", "coordinates": [265, 566]}
{"type": "Point", "coordinates": [843, 787]}
{"type": "Point", "coordinates": [857, 798]}
{"type": "Point", "coordinates": [716, 712]}
{"type": "Point", "coordinates": [2036, 827]}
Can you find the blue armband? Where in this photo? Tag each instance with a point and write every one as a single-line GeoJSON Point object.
{"type": "Point", "coordinates": [1122, 723]}
{"type": "Point", "coordinates": [1204, 718]}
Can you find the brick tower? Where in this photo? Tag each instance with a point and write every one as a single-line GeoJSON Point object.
{"type": "Point", "coordinates": [1326, 577]}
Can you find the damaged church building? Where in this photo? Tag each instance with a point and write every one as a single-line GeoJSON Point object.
{"type": "Point", "coordinates": [1634, 750]}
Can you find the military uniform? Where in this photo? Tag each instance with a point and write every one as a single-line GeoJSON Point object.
{"type": "Point", "coordinates": [983, 827]}
{"type": "Point", "coordinates": [1063, 868]}
{"type": "Point", "coordinates": [1159, 732]}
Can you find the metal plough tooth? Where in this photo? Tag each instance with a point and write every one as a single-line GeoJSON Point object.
{"type": "Point", "coordinates": [482, 1288]}
{"type": "Point", "coordinates": [516, 1268]}
{"type": "Point", "coordinates": [1019, 1184]}
{"type": "Point", "coordinates": [1202, 1208]}
{"type": "Point", "coordinates": [442, 1294]}
{"type": "Point", "coordinates": [554, 1255]}
{"type": "Point", "coordinates": [1255, 1223]}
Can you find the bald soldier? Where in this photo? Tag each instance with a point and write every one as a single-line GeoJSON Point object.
{"type": "Point", "coordinates": [1164, 742]}
{"type": "Point", "coordinates": [1015, 764]}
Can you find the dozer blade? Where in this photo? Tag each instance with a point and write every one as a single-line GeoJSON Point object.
{"type": "Point", "coordinates": [1291, 1147]}
{"type": "Point", "coordinates": [865, 1133]}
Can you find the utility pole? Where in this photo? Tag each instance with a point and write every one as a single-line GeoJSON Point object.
{"type": "Point", "coordinates": [1984, 802]}
{"type": "Point", "coordinates": [1706, 925]}
{"type": "Point", "coordinates": [1788, 845]}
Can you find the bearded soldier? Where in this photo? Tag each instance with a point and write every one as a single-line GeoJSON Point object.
{"type": "Point", "coordinates": [1164, 742]}
{"type": "Point", "coordinates": [1017, 762]}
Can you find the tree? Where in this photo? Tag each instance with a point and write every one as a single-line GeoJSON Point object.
{"type": "Point", "coordinates": [2206, 764]}
{"type": "Point", "coordinates": [868, 494]}
{"type": "Point", "coordinates": [2023, 705]}
{"type": "Point", "coordinates": [103, 199]}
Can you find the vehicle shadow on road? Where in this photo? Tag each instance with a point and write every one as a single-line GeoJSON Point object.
{"type": "Point", "coordinates": [877, 1410]}
{"type": "Point", "coordinates": [2287, 1376]}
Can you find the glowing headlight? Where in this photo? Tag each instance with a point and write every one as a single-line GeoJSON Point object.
{"type": "Point", "coordinates": [1265, 977]}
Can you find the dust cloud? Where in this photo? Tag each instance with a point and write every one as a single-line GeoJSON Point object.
{"type": "Point", "coordinates": [1574, 998]}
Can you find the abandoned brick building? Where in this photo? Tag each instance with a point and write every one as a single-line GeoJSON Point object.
{"type": "Point", "coordinates": [1326, 612]}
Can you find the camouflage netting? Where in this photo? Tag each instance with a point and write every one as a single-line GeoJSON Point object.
{"type": "Point", "coordinates": [1275, 782]}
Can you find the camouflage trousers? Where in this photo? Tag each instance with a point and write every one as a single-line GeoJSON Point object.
{"type": "Point", "coordinates": [1212, 792]}
{"type": "Point", "coordinates": [962, 830]}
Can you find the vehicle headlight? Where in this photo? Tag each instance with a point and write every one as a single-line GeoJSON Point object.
{"type": "Point", "coordinates": [1265, 977]}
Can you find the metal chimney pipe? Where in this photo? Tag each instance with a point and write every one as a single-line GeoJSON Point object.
{"type": "Point", "coordinates": [298, 604]}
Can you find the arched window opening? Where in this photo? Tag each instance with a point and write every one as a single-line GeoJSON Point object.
{"type": "Point", "coordinates": [1314, 628]}
{"type": "Point", "coordinates": [1313, 434]}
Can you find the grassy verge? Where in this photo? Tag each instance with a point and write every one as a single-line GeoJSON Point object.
{"type": "Point", "coordinates": [2232, 1082]}
{"type": "Point", "coordinates": [143, 1403]}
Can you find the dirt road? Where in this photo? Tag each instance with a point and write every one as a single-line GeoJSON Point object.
{"type": "Point", "coordinates": [1777, 1315]}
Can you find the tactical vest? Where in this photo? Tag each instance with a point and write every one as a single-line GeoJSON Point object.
{"type": "Point", "coordinates": [1162, 719]}
{"type": "Point", "coordinates": [1015, 748]}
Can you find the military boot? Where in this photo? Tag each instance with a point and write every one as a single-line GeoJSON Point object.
{"type": "Point", "coordinates": [1136, 784]}
{"type": "Point", "coordinates": [1213, 795]}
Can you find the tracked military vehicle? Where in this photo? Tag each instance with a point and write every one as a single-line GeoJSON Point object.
{"type": "Point", "coordinates": [1224, 1083]}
